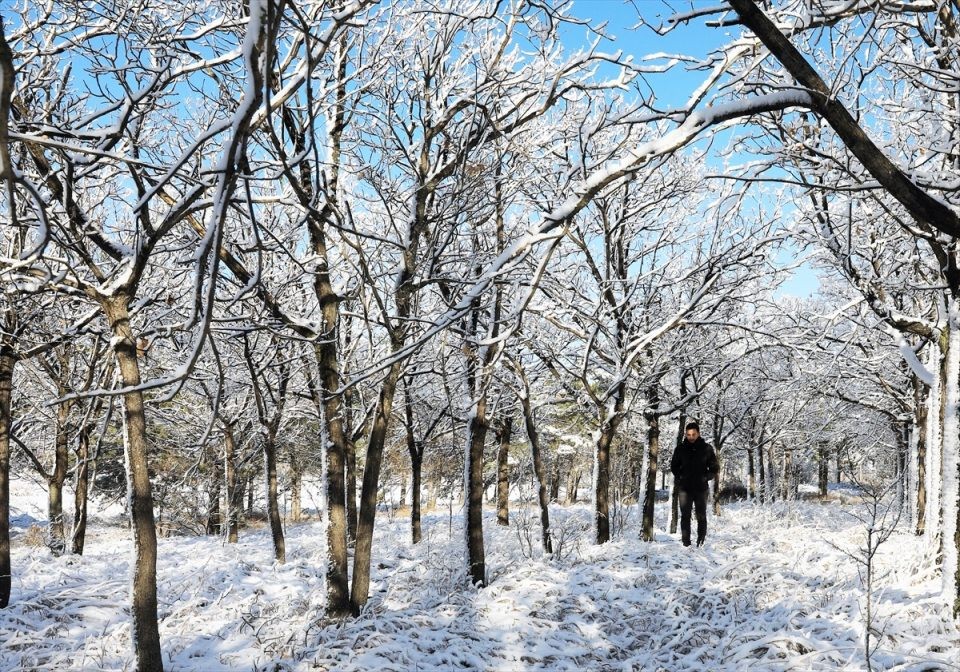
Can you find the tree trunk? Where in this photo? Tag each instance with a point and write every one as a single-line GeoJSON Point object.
{"type": "Point", "coordinates": [920, 410]}
{"type": "Point", "coordinates": [653, 453]}
{"type": "Point", "coordinates": [234, 494]}
{"type": "Point", "coordinates": [7, 363]}
{"type": "Point", "coordinates": [785, 476]}
{"type": "Point", "coordinates": [273, 507]}
{"type": "Point", "coordinates": [146, 635]}
{"type": "Point", "coordinates": [823, 469]}
{"type": "Point", "coordinates": [214, 516]}
{"type": "Point", "coordinates": [56, 538]}
{"type": "Point", "coordinates": [573, 485]}
{"type": "Point", "coordinates": [360, 590]}
{"type": "Point", "coordinates": [503, 473]}
{"type": "Point", "coordinates": [296, 489]}
{"type": "Point", "coordinates": [81, 490]}
{"type": "Point", "coordinates": [533, 436]}
{"type": "Point", "coordinates": [416, 466]}
{"type": "Point", "coordinates": [763, 474]}
{"type": "Point", "coordinates": [602, 484]}
{"type": "Point", "coordinates": [350, 453]}
{"type": "Point", "coordinates": [555, 480]}
{"type": "Point", "coordinates": [681, 426]}
{"type": "Point", "coordinates": [476, 437]}
{"type": "Point", "coordinates": [751, 477]}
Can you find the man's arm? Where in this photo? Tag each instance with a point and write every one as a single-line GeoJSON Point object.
{"type": "Point", "coordinates": [713, 464]}
{"type": "Point", "coordinates": [675, 461]}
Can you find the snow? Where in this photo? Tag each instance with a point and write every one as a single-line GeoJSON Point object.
{"type": "Point", "coordinates": [772, 590]}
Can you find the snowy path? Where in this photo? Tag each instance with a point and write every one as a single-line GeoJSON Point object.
{"type": "Point", "coordinates": [769, 592]}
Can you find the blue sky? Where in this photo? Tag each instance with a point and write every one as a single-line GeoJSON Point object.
{"type": "Point", "coordinates": [623, 19]}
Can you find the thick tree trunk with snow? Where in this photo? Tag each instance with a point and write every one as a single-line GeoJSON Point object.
{"type": "Point", "coordinates": [503, 472]}
{"type": "Point", "coordinates": [415, 450]}
{"type": "Point", "coordinates": [7, 363]}
{"type": "Point", "coordinates": [146, 634]}
{"type": "Point", "coordinates": [325, 350]}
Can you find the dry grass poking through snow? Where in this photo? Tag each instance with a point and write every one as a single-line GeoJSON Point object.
{"type": "Point", "coordinates": [769, 592]}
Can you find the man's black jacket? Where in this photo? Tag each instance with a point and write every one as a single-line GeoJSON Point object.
{"type": "Point", "coordinates": [694, 465]}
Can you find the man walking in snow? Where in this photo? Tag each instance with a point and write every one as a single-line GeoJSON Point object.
{"type": "Point", "coordinates": [694, 465]}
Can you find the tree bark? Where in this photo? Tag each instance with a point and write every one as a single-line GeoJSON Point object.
{"type": "Point", "coordinates": [360, 589]}
{"type": "Point", "coordinates": [146, 634]}
{"type": "Point", "coordinates": [56, 538]}
{"type": "Point", "coordinates": [751, 477]}
{"type": "Point", "coordinates": [823, 469]}
{"type": "Point", "coordinates": [7, 363]}
{"type": "Point", "coordinates": [762, 491]}
{"type": "Point", "coordinates": [681, 426]}
{"type": "Point", "coordinates": [602, 485]}
{"type": "Point", "coordinates": [573, 485]}
{"type": "Point", "coordinates": [503, 472]}
{"type": "Point", "coordinates": [81, 491]}
{"type": "Point", "coordinates": [653, 452]}
{"type": "Point", "coordinates": [296, 489]}
{"type": "Point", "coordinates": [214, 516]}
{"type": "Point", "coordinates": [476, 433]}
{"type": "Point", "coordinates": [234, 494]}
{"type": "Point", "coordinates": [920, 411]}
{"type": "Point", "coordinates": [273, 507]}
{"type": "Point", "coordinates": [533, 436]}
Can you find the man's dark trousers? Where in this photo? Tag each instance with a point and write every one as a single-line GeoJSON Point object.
{"type": "Point", "coordinates": [687, 499]}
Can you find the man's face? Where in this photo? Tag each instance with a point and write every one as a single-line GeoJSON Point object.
{"type": "Point", "coordinates": [692, 435]}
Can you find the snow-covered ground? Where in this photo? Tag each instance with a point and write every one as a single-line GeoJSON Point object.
{"type": "Point", "coordinates": [772, 590]}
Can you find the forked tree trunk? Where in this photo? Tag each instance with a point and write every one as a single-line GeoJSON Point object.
{"type": "Point", "coordinates": [503, 472]}
{"type": "Point", "coordinates": [146, 634]}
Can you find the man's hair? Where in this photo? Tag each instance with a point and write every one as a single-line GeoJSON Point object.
{"type": "Point", "coordinates": [693, 425]}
